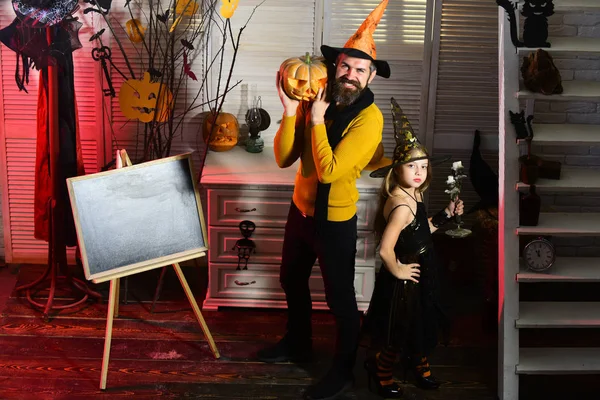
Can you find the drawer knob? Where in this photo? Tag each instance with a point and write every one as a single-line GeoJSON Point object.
{"type": "Point", "coordinates": [244, 210]}
{"type": "Point", "coordinates": [244, 283]}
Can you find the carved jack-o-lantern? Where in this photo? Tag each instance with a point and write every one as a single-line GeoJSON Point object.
{"type": "Point", "coordinates": [303, 76]}
{"type": "Point", "coordinates": [224, 136]}
{"type": "Point", "coordinates": [145, 100]}
{"type": "Point", "coordinates": [135, 30]}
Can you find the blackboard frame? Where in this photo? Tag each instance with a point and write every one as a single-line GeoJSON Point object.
{"type": "Point", "coordinates": [147, 265]}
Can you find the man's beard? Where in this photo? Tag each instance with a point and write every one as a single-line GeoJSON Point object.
{"type": "Point", "coordinates": [344, 96]}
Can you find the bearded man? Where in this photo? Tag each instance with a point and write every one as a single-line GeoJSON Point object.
{"type": "Point", "coordinates": [334, 140]}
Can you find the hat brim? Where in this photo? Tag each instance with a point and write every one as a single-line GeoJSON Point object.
{"type": "Point", "coordinates": [40, 17]}
{"type": "Point", "coordinates": [383, 171]}
{"type": "Point", "coordinates": [382, 163]}
{"type": "Point", "coordinates": [331, 54]}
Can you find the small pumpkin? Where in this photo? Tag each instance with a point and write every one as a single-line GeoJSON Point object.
{"type": "Point", "coordinates": [135, 30]}
{"type": "Point", "coordinates": [145, 100]}
{"type": "Point", "coordinates": [303, 76]}
{"type": "Point", "coordinates": [225, 134]}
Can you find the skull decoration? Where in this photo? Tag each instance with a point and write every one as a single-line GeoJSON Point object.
{"type": "Point", "coordinates": [303, 76]}
{"type": "Point", "coordinates": [224, 135]}
{"type": "Point", "coordinates": [145, 100]}
{"type": "Point", "coordinates": [245, 246]}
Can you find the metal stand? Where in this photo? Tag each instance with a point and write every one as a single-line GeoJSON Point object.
{"type": "Point", "coordinates": [56, 263]}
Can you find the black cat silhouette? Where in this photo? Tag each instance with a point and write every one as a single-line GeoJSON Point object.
{"type": "Point", "coordinates": [521, 124]}
{"type": "Point", "coordinates": [535, 29]}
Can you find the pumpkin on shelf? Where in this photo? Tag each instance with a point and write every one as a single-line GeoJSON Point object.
{"type": "Point", "coordinates": [303, 76]}
{"type": "Point", "coordinates": [224, 136]}
{"type": "Point", "coordinates": [145, 100]}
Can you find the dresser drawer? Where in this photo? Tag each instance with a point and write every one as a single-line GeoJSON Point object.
{"type": "Point", "coordinates": [269, 245]}
{"type": "Point", "coordinates": [270, 208]}
{"type": "Point", "coordinates": [264, 208]}
{"type": "Point", "coordinates": [261, 281]}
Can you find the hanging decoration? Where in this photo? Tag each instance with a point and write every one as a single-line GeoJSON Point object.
{"type": "Point", "coordinates": [186, 7]}
{"type": "Point", "coordinates": [135, 30]}
{"type": "Point", "coordinates": [102, 54]}
{"type": "Point", "coordinates": [228, 8]}
{"type": "Point", "coordinates": [145, 100]}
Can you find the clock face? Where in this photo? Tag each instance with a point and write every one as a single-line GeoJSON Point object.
{"type": "Point", "coordinates": [539, 255]}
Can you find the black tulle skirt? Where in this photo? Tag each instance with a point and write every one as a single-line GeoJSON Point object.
{"type": "Point", "coordinates": [406, 315]}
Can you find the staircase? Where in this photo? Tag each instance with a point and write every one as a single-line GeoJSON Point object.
{"type": "Point", "coordinates": [515, 315]}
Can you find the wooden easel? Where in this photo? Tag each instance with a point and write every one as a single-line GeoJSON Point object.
{"type": "Point", "coordinates": [113, 301]}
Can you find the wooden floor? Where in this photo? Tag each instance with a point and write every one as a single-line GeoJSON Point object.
{"type": "Point", "coordinates": [164, 354]}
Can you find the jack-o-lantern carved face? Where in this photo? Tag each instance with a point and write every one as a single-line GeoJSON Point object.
{"type": "Point", "coordinates": [303, 76]}
{"type": "Point", "coordinates": [145, 100]}
{"type": "Point", "coordinates": [135, 30]}
{"type": "Point", "coordinates": [224, 136]}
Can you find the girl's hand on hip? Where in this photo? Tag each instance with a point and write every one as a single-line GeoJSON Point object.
{"type": "Point", "coordinates": [407, 272]}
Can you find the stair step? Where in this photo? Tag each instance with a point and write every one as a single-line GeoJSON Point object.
{"type": "Point", "coordinates": [565, 134]}
{"type": "Point", "coordinates": [564, 269]}
{"type": "Point", "coordinates": [573, 91]}
{"type": "Point", "coordinates": [578, 45]}
{"type": "Point", "coordinates": [571, 179]}
{"type": "Point", "coordinates": [559, 360]}
{"type": "Point", "coordinates": [564, 224]}
{"type": "Point", "coordinates": [543, 314]}
{"type": "Point", "coordinates": [576, 5]}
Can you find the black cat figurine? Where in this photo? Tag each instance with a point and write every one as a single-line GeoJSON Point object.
{"type": "Point", "coordinates": [522, 126]}
{"type": "Point", "coordinates": [535, 30]}
{"type": "Point", "coordinates": [512, 18]}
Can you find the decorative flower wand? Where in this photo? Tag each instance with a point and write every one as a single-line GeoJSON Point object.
{"type": "Point", "coordinates": [455, 184]}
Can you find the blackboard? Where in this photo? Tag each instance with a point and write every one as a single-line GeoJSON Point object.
{"type": "Point", "coordinates": [137, 218]}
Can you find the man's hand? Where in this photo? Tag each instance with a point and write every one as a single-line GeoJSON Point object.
{"type": "Point", "coordinates": [319, 106]}
{"type": "Point", "coordinates": [289, 105]}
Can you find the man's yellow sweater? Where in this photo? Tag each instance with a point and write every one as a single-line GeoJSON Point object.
{"type": "Point", "coordinates": [297, 138]}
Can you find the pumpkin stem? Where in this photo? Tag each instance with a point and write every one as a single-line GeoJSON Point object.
{"type": "Point", "coordinates": [307, 58]}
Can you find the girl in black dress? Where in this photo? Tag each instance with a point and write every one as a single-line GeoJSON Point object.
{"type": "Point", "coordinates": [404, 314]}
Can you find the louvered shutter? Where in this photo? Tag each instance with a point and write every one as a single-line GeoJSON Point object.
{"type": "Point", "coordinates": [467, 75]}
{"type": "Point", "coordinates": [18, 141]}
{"type": "Point", "coordinates": [466, 97]}
{"type": "Point", "coordinates": [278, 30]}
{"type": "Point", "coordinates": [399, 39]}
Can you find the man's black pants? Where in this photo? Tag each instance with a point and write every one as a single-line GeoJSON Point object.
{"type": "Point", "coordinates": [334, 244]}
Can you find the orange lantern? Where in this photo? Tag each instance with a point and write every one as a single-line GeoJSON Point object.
{"type": "Point", "coordinates": [303, 76]}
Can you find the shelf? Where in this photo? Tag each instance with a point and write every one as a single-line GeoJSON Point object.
{"type": "Point", "coordinates": [564, 224]}
{"type": "Point", "coordinates": [565, 134]}
{"type": "Point", "coordinates": [542, 314]}
{"type": "Point", "coordinates": [558, 361]}
{"type": "Point", "coordinates": [571, 179]}
{"type": "Point", "coordinates": [573, 91]}
{"type": "Point", "coordinates": [578, 45]}
{"type": "Point", "coordinates": [564, 269]}
{"type": "Point", "coordinates": [576, 5]}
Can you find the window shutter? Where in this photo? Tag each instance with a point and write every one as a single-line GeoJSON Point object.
{"type": "Point", "coordinates": [466, 98]}
{"type": "Point", "coordinates": [18, 113]}
{"type": "Point", "coordinates": [277, 31]}
{"type": "Point", "coordinates": [399, 39]}
{"type": "Point", "coordinates": [467, 75]}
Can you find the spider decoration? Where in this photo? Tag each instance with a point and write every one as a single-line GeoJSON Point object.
{"type": "Point", "coordinates": [245, 246]}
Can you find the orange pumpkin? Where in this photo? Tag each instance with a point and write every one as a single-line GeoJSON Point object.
{"type": "Point", "coordinates": [225, 134]}
{"type": "Point", "coordinates": [303, 76]}
{"type": "Point", "coordinates": [145, 100]}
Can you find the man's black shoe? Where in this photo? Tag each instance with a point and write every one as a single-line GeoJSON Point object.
{"type": "Point", "coordinates": [334, 384]}
{"type": "Point", "coordinates": [286, 350]}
